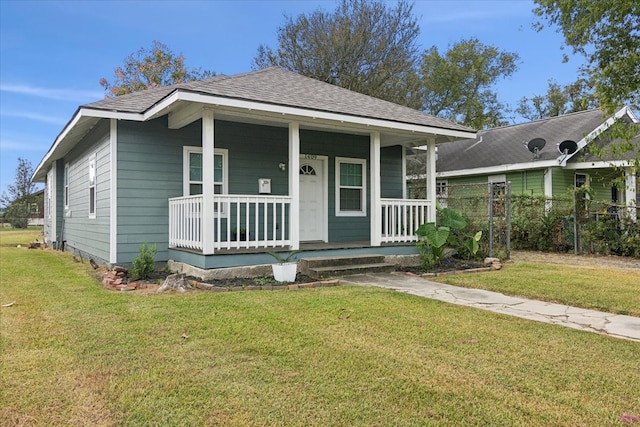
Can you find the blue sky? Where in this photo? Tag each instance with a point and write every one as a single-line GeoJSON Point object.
{"type": "Point", "coordinates": [53, 53]}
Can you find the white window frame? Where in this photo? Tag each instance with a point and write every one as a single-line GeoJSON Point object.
{"type": "Point", "coordinates": [363, 187]}
{"type": "Point", "coordinates": [66, 194]}
{"type": "Point", "coordinates": [442, 192]}
{"type": "Point", "coordinates": [93, 185]}
{"type": "Point", "coordinates": [575, 179]}
{"type": "Point", "coordinates": [186, 151]}
{"type": "Point", "coordinates": [49, 191]}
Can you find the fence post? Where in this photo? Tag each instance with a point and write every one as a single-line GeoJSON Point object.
{"type": "Point", "coordinates": [508, 219]}
{"type": "Point", "coordinates": [490, 219]}
{"type": "Point", "coordinates": [575, 223]}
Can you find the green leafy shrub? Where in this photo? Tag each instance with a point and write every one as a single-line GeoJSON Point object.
{"type": "Point", "coordinates": [437, 243]}
{"type": "Point", "coordinates": [144, 263]}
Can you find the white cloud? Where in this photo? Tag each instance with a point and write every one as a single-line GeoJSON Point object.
{"type": "Point", "coordinates": [73, 95]}
{"type": "Point", "coordinates": [14, 145]}
{"type": "Point", "coordinates": [35, 116]}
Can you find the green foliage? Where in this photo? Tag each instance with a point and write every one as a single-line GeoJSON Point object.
{"type": "Point", "coordinates": [606, 33]}
{"type": "Point", "coordinates": [612, 234]}
{"type": "Point", "coordinates": [365, 46]}
{"type": "Point", "coordinates": [437, 243]}
{"type": "Point", "coordinates": [558, 100]}
{"type": "Point", "coordinates": [148, 68]}
{"type": "Point", "coordinates": [458, 85]}
{"type": "Point", "coordinates": [144, 263]}
{"type": "Point", "coordinates": [540, 224]}
{"type": "Point", "coordinates": [281, 259]}
{"type": "Point", "coordinates": [472, 244]}
{"type": "Point", "coordinates": [19, 197]}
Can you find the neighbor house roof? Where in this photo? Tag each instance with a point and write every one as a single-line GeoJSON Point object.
{"type": "Point", "coordinates": [507, 147]}
{"type": "Point", "coordinates": [271, 92]}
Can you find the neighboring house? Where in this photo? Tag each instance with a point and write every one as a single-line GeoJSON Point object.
{"type": "Point", "coordinates": [547, 157]}
{"type": "Point", "coordinates": [219, 172]}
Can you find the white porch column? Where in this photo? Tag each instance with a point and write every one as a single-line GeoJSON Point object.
{"type": "Point", "coordinates": [431, 177]}
{"type": "Point", "coordinates": [208, 189]}
{"type": "Point", "coordinates": [294, 185]}
{"type": "Point", "coordinates": [376, 204]}
{"type": "Point", "coordinates": [630, 195]}
{"type": "Point", "coordinates": [548, 189]}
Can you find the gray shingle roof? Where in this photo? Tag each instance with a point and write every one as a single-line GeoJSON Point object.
{"type": "Point", "coordinates": [281, 87]}
{"type": "Point", "coordinates": [506, 145]}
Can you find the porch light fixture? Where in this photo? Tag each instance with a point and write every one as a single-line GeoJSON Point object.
{"type": "Point", "coordinates": [282, 166]}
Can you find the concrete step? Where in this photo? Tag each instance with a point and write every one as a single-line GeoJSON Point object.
{"type": "Point", "coordinates": [345, 270]}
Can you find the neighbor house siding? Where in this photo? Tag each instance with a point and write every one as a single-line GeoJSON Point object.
{"type": "Point", "coordinates": [82, 234]}
{"type": "Point", "coordinates": [563, 182]}
{"type": "Point", "coordinates": [529, 182]}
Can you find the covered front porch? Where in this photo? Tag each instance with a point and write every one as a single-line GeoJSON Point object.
{"type": "Point", "coordinates": [245, 223]}
{"type": "Point", "coordinates": [219, 222]}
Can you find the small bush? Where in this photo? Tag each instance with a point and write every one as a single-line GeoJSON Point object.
{"type": "Point", "coordinates": [144, 263]}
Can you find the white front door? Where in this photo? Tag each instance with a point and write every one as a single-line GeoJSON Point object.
{"type": "Point", "coordinates": [312, 209]}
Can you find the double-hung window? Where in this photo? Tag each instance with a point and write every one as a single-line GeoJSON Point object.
{"type": "Point", "coordinates": [92, 186]}
{"type": "Point", "coordinates": [351, 187]}
{"type": "Point", "coordinates": [66, 186]}
{"type": "Point", "coordinates": [442, 193]}
{"type": "Point", "coordinates": [193, 171]}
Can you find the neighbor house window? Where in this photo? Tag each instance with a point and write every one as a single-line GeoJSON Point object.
{"type": "Point", "coordinates": [498, 188]}
{"type": "Point", "coordinates": [66, 186]}
{"type": "Point", "coordinates": [193, 172]}
{"type": "Point", "coordinates": [351, 191]}
{"type": "Point", "coordinates": [581, 179]}
{"type": "Point", "coordinates": [442, 193]}
{"type": "Point", "coordinates": [92, 186]}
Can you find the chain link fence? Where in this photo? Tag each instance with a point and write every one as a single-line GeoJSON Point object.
{"type": "Point", "coordinates": [564, 224]}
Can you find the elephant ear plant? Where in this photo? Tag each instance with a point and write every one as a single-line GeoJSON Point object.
{"type": "Point", "coordinates": [437, 243]}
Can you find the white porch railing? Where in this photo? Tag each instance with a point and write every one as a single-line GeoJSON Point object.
{"type": "Point", "coordinates": [240, 221]}
{"type": "Point", "coordinates": [185, 222]}
{"type": "Point", "coordinates": [402, 217]}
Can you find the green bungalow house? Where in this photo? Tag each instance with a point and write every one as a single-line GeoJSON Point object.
{"type": "Point", "coordinates": [547, 157]}
{"type": "Point", "coordinates": [219, 172]}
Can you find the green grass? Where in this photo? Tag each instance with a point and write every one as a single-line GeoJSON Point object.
{"type": "Point", "coordinates": [614, 290]}
{"type": "Point", "coordinates": [13, 237]}
{"type": "Point", "coordinates": [76, 354]}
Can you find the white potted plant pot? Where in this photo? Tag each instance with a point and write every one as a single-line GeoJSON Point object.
{"type": "Point", "coordinates": [285, 272]}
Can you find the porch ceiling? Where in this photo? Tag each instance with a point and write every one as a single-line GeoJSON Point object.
{"type": "Point", "coordinates": [388, 135]}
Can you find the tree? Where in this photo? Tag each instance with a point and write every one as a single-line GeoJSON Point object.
{"type": "Point", "coordinates": [458, 85]}
{"type": "Point", "coordinates": [607, 33]}
{"type": "Point", "coordinates": [558, 100]}
{"type": "Point", "coordinates": [19, 198]}
{"type": "Point", "coordinates": [149, 68]}
{"type": "Point", "coordinates": [362, 45]}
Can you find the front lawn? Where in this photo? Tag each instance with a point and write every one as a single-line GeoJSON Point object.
{"type": "Point", "coordinates": [613, 290]}
{"type": "Point", "coordinates": [74, 353]}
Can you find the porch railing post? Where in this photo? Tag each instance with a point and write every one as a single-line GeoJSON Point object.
{"type": "Point", "coordinates": [431, 178]}
{"type": "Point", "coordinates": [208, 188]}
{"type": "Point", "coordinates": [294, 185]}
{"type": "Point", "coordinates": [376, 203]}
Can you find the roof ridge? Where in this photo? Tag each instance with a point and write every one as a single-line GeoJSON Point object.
{"type": "Point", "coordinates": [591, 110]}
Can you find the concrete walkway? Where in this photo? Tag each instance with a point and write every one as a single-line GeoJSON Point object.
{"type": "Point", "coordinates": [614, 325]}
